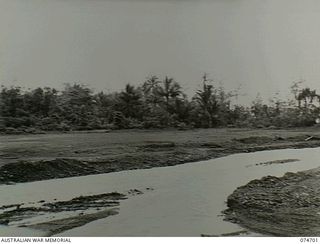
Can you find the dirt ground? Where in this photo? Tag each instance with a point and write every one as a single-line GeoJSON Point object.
{"type": "Point", "coordinates": [75, 154]}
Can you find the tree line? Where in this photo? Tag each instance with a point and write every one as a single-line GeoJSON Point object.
{"type": "Point", "coordinates": [156, 103]}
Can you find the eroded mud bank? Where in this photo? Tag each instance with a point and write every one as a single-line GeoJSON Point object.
{"type": "Point", "coordinates": [279, 206]}
{"type": "Point", "coordinates": [53, 217]}
{"type": "Point", "coordinates": [140, 156]}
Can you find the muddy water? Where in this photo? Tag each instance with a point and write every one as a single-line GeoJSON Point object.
{"type": "Point", "coordinates": [15, 231]}
{"type": "Point", "coordinates": [186, 200]}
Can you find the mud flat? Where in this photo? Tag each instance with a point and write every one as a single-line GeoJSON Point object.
{"type": "Point", "coordinates": [279, 206]}
{"type": "Point", "coordinates": [27, 158]}
{"type": "Point", "coordinates": [52, 216]}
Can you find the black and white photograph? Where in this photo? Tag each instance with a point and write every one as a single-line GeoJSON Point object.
{"type": "Point", "coordinates": [159, 118]}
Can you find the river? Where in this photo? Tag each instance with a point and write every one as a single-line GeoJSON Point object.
{"type": "Point", "coordinates": [185, 200]}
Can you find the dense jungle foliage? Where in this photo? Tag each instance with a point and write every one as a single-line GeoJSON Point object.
{"type": "Point", "coordinates": [156, 103]}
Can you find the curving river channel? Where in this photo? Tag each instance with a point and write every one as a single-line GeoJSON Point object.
{"type": "Point", "coordinates": [185, 200]}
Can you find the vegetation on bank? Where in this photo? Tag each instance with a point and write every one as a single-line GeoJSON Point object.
{"type": "Point", "coordinates": [154, 104]}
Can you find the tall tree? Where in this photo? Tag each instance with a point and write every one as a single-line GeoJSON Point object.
{"type": "Point", "coordinates": [12, 102]}
{"type": "Point", "coordinates": [151, 97]}
{"type": "Point", "coordinates": [130, 102]}
{"type": "Point", "coordinates": [75, 104]}
{"type": "Point", "coordinates": [208, 102]}
{"type": "Point", "coordinates": [170, 89]}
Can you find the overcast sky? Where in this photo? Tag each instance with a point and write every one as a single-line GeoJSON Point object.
{"type": "Point", "coordinates": [263, 45]}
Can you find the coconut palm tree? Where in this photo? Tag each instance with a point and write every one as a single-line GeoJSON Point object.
{"type": "Point", "coordinates": [207, 101]}
{"type": "Point", "coordinates": [170, 89]}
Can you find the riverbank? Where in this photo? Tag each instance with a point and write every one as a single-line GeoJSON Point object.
{"type": "Point", "coordinates": [65, 155]}
{"type": "Point", "coordinates": [278, 206]}
{"type": "Point", "coordinates": [41, 157]}
{"type": "Point", "coordinates": [181, 200]}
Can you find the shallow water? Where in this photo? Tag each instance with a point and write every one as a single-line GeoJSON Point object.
{"type": "Point", "coordinates": [15, 231]}
{"type": "Point", "coordinates": [187, 199]}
